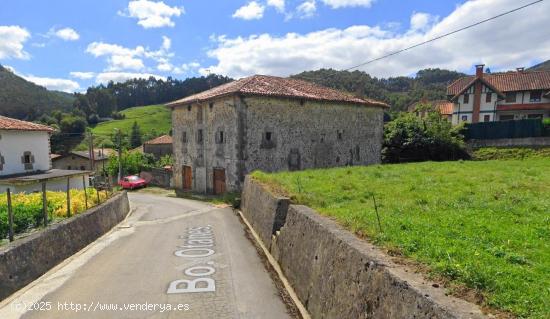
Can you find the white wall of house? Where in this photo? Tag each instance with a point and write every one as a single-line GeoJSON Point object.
{"type": "Point", "coordinates": [14, 144]}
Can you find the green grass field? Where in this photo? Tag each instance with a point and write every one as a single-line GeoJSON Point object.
{"type": "Point", "coordinates": [152, 118]}
{"type": "Point", "coordinates": [483, 225]}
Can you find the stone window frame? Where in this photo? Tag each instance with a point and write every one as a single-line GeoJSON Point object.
{"type": "Point", "coordinates": [184, 138]}
{"type": "Point", "coordinates": [27, 160]}
{"type": "Point", "coordinates": [268, 139]}
{"type": "Point", "coordinates": [220, 138]}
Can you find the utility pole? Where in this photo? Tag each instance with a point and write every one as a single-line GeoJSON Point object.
{"type": "Point", "coordinates": [91, 150]}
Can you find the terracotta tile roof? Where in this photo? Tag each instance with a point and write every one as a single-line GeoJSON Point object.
{"type": "Point", "coordinates": [443, 106]}
{"type": "Point", "coordinates": [165, 139]}
{"type": "Point", "coordinates": [507, 82]}
{"type": "Point", "coordinates": [277, 87]}
{"type": "Point", "coordinates": [7, 123]}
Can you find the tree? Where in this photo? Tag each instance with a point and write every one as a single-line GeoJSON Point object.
{"type": "Point", "coordinates": [409, 138]}
{"type": "Point", "coordinates": [135, 136]}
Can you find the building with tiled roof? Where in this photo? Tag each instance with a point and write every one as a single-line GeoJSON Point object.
{"type": "Point", "coordinates": [514, 95]}
{"type": "Point", "coordinates": [159, 147]}
{"type": "Point", "coordinates": [443, 107]}
{"type": "Point", "coordinates": [26, 159]}
{"type": "Point", "coordinates": [269, 123]}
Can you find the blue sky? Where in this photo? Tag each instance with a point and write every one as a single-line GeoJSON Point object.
{"type": "Point", "coordinates": [70, 45]}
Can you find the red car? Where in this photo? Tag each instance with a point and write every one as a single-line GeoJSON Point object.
{"type": "Point", "coordinates": [132, 182]}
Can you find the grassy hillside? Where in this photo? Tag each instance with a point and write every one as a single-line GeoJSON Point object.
{"type": "Point", "coordinates": [22, 99]}
{"type": "Point", "coordinates": [153, 120]}
{"type": "Point", "coordinates": [483, 225]}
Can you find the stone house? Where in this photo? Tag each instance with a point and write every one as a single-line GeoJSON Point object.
{"type": "Point", "coordinates": [271, 124]}
{"type": "Point", "coordinates": [159, 146]}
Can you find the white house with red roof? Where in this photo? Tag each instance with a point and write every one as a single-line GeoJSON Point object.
{"type": "Point", "coordinates": [25, 159]}
{"type": "Point", "coordinates": [487, 97]}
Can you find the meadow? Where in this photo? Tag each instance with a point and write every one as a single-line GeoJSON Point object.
{"type": "Point", "coordinates": [482, 228]}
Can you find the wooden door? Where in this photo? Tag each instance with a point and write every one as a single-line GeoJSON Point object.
{"type": "Point", "coordinates": [219, 181]}
{"type": "Point", "coordinates": [187, 178]}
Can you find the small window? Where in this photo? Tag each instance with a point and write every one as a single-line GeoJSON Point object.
{"type": "Point", "coordinates": [466, 98]}
{"type": "Point", "coordinates": [189, 107]}
{"type": "Point", "coordinates": [268, 136]}
{"type": "Point", "coordinates": [184, 137]}
{"type": "Point", "coordinates": [486, 118]}
{"type": "Point", "coordinates": [510, 97]}
{"type": "Point", "coordinates": [211, 105]}
{"type": "Point", "coordinates": [535, 96]}
{"type": "Point", "coordinates": [268, 140]}
{"type": "Point", "coordinates": [27, 159]}
{"type": "Point", "coordinates": [2, 162]}
{"type": "Point", "coordinates": [199, 136]}
{"type": "Point", "coordinates": [488, 97]}
{"type": "Point", "coordinates": [534, 116]}
{"type": "Point", "coordinates": [82, 168]}
{"type": "Point", "coordinates": [69, 167]}
{"type": "Point", "coordinates": [220, 137]}
{"type": "Point", "coordinates": [464, 118]}
{"type": "Point", "coordinates": [340, 134]}
{"type": "Point", "coordinates": [506, 117]}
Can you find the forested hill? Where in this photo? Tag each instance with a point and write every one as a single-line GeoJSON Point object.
{"type": "Point", "coordinates": [22, 99]}
{"type": "Point", "coordinates": [399, 92]}
{"type": "Point", "coordinates": [104, 100]}
{"type": "Point", "coordinates": [544, 66]}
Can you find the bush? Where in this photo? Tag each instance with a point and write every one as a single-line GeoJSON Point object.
{"type": "Point", "coordinates": [27, 208]}
{"type": "Point", "coordinates": [409, 138]}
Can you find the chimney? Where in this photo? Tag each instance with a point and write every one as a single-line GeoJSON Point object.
{"type": "Point", "coordinates": [520, 69]}
{"type": "Point", "coordinates": [479, 70]}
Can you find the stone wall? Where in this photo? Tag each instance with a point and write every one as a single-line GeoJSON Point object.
{"type": "Point", "coordinates": [26, 259]}
{"type": "Point", "coordinates": [157, 150]}
{"type": "Point", "coordinates": [310, 134]}
{"type": "Point", "coordinates": [337, 275]}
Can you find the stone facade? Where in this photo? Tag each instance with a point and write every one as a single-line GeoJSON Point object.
{"type": "Point", "coordinates": [240, 134]}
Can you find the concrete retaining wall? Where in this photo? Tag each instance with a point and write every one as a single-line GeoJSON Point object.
{"type": "Point", "coordinates": [28, 258]}
{"type": "Point", "coordinates": [337, 275]}
{"type": "Point", "coordinates": [511, 142]}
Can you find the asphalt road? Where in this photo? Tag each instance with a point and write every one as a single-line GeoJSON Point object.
{"type": "Point", "coordinates": [172, 258]}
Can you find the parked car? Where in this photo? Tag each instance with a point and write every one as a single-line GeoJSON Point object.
{"type": "Point", "coordinates": [132, 182]}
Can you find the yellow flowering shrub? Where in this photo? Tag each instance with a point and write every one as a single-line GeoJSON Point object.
{"type": "Point", "coordinates": [27, 208]}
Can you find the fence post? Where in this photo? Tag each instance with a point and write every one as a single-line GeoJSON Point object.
{"type": "Point", "coordinates": [44, 204]}
{"type": "Point", "coordinates": [10, 216]}
{"type": "Point", "coordinates": [85, 190]}
{"type": "Point", "coordinates": [68, 197]}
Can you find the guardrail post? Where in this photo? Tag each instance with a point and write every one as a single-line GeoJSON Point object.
{"type": "Point", "coordinates": [10, 216]}
{"type": "Point", "coordinates": [44, 204]}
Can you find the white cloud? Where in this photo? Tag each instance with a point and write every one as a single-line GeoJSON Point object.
{"type": "Point", "coordinates": [12, 39]}
{"type": "Point", "coordinates": [277, 4]}
{"type": "Point", "coordinates": [253, 10]}
{"type": "Point", "coordinates": [489, 43]}
{"type": "Point", "coordinates": [82, 75]}
{"type": "Point", "coordinates": [422, 21]}
{"type": "Point", "coordinates": [66, 34]}
{"type": "Point", "coordinates": [151, 14]}
{"type": "Point", "coordinates": [307, 9]}
{"type": "Point", "coordinates": [120, 58]}
{"type": "Point", "coordinates": [336, 4]}
{"type": "Point", "coordinates": [106, 77]}
{"type": "Point", "coordinates": [63, 85]}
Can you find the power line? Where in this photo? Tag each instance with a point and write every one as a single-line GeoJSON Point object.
{"type": "Point", "coordinates": [436, 38]}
